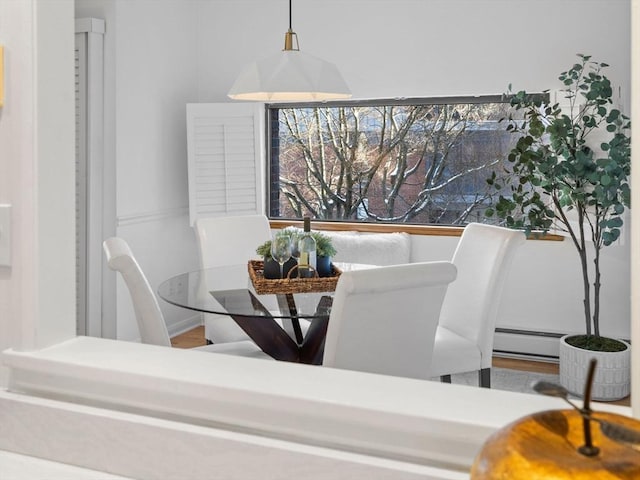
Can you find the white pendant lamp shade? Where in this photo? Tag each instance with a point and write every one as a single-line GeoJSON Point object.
{"type": "Point", "coordinates": [290, 75]}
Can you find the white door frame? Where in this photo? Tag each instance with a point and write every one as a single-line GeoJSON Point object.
{"type": "Point", "coordinates": [91, 181]}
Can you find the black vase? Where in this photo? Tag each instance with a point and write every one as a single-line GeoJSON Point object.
{"type": "Point", "coordinates": [272, 268]}
{"type": "Point", "coordinates": [323, 266]}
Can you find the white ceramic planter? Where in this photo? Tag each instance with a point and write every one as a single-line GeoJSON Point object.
{"type": "Point", "coordinates": [613, 373]}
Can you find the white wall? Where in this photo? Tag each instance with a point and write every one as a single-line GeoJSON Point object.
{"type": "Point", "coordinates": [155, 79]}
{"type": "Point", "coordinates": [150, 65]}
{"type": "Point", "coordinates": [37, 174]}
{"type": "Point", "coordinates": [163, 54]}
{"type": "Point", "coordinates": [415, 48]}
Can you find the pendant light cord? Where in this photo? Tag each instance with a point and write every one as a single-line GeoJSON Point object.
{"type": "Point", "coordinates": [289, 14]}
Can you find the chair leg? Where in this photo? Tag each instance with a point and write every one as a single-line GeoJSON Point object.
{"type": "Point", "coordinates": [445, 378]}
{"type": "Point", "coordinates": [484, 377]}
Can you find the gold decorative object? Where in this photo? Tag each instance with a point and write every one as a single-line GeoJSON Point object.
{"type": "Point", "coordinates": [546, 445]}
{"type": "Point", "coordinates": [561, 444]}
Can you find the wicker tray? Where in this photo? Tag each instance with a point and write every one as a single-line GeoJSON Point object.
{"type": "Point", "coordinates": [291, 285]}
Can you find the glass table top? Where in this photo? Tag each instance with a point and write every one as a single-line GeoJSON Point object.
{"type": "Point", "coordinates": [228, 291]}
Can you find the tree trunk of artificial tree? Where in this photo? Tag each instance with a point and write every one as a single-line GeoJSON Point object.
{"type": "Point", "coordinates": [596, 293]}
{"type": "Point", "coordinates": [587, 291]}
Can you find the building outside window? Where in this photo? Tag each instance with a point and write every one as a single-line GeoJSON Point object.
{"type": "Point", "coordinates": [419, 161]}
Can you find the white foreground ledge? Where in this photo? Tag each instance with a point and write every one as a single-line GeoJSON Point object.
{"type": "Point", "coordinates": [24, 467]}
{"type": "Point", "coordinates": [412, 426]}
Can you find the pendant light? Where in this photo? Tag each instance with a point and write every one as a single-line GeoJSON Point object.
{"type": "Point", "coordinates": [290, 75]}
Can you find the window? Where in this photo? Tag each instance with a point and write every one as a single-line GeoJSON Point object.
{"type": "Point", "coordinates": [422, 161]}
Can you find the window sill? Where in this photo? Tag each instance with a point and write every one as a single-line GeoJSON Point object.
{"type": "Point", "coordinates": [427, 230]}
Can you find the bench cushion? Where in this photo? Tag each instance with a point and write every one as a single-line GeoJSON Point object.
{"type": "Point", "coordinates": [374, 249]}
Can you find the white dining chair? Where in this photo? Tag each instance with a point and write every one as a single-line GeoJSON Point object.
{"type": "Point", "coordinates": [464, 338]}
{"type": "Point", "coordinates": [383, 320]}
{"type": "Point", "coordinates": [226, 241]}
{"type": "Point", "coordinates": [151, 323]}
{"type": "Point", "coordinates": [233, 240]}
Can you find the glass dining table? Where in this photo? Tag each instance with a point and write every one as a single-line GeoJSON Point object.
{"type": "Point", "coordinates": [228, 290]}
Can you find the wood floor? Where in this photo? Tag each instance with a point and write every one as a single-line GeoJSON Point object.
{"type": "Point", "coordinates": [195, 338]}
{"type": "Point", "coordinates": [190, 339]}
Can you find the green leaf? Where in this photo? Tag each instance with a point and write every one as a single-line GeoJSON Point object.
{"type": "Point", "coordinates": [614, 222]}
{"type": "Point", "coordinates": [610, 236]}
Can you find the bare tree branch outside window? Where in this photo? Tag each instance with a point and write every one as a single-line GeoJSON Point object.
{"type": "Point", "coordinates": [416, 163]}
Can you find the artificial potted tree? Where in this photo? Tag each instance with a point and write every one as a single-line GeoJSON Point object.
{"type": "Point", "coordinates": [571, 167]}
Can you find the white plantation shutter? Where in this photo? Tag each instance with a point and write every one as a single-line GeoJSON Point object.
{"type": "Point", "coordinates": [225, 152]}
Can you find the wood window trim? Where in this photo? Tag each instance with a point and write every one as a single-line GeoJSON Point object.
{"type": "Point", "coordinates": [427, 230]}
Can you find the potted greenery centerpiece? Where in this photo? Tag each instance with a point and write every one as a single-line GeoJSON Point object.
{"type": "Point", "coordinates": [324, 252]}
{"type": "Point", "coordinates": [324, 248]}
{"type": "Point", "coordinates": [572, 167]}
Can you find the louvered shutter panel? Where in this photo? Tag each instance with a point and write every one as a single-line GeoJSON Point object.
{"type": "Point", "coordinates": [224, 151]}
